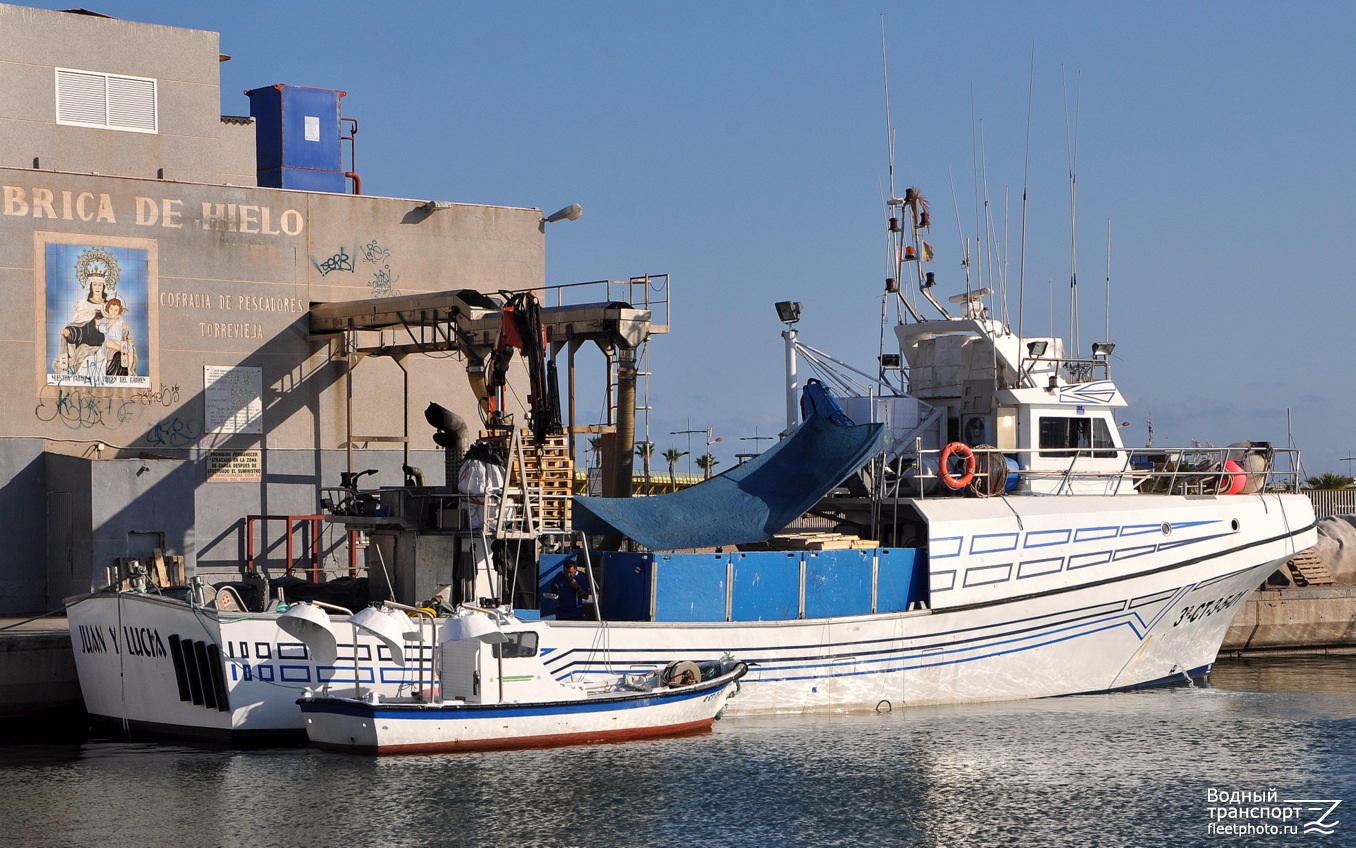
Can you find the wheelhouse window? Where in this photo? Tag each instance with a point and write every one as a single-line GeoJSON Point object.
{"type": "Point", "coordinates": [107, 101]}
{"type": "Point", "coordinates": [1076, 436]}
{"type": "Point", "coordinates": [518, 645]}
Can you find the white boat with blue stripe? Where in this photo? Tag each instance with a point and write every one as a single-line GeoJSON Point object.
{"type": "Point", "coordinates": [493, 693]}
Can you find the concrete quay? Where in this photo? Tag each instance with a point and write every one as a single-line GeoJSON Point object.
{"type": "Point", "coordinates": [37, 670]}
{"type": "Point", "coordinates": [1309, 620]}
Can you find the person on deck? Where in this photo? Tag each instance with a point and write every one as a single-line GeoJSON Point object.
{"type": "Point", "coordinates": [572, 590]}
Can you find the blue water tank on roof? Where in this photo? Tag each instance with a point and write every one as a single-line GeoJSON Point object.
{"type": "Point", "coordinates": [296, 137]}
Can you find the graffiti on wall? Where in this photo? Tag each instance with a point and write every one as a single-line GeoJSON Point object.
{"type": "Point", "coordinates": [97, 312]}
{"type": "Point", "coordinates": [84, 409]}
{"type": "Point", "coordinates": [382, 281]}
{"type": "Point", "coordinates": [340, 261]}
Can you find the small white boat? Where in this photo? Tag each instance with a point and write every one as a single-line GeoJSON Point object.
{"type": "Point", "coordinates": [494, 693]}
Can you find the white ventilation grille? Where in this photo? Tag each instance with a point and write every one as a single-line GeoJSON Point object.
{"type": "Point", "coordinates": [91, 99]}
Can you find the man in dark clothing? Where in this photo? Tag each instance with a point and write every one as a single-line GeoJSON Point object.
{"type": "Point", "coordinates": [571, 588]}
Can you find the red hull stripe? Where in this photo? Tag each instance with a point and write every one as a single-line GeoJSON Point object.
{"type": "Point", "coordinates": [554, 740]}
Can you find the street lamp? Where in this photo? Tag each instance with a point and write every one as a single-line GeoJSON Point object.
{"type": "Point", "coordinates": [569, 213]}
{"type": "Point", "coordinates": [788, 311]}
{"type": "Point", "coordinates": [709, 440]}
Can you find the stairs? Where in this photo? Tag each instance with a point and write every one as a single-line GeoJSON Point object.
{"type": "Point", "coordinates": [1306, 569]}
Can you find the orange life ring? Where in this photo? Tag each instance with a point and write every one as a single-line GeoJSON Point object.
{"type": "Point", "coordinates": [1234, 479]}
{"type": "Point", "coordinates": [965, 453]}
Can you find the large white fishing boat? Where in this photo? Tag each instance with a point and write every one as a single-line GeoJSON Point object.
{"type": "Point", "coordinates": [992, 538]}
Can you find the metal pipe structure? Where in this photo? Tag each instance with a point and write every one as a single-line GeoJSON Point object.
{"type": "Point", "coordinates": [624, 443]}
{"type": "Point", "coordinates": [792, 381]}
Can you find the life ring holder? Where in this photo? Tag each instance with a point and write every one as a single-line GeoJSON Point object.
{"type": "Point", "coordinates": [964, 452]}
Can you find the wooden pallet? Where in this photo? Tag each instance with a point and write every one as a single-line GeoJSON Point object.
{"type": "Point", "coordinates": [1307, 569]}
{"type": "Point", "coordinates": [546, 472]}
{"type": "Point", "coordinates": [819, 541]}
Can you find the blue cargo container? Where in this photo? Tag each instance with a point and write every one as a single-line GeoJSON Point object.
{"type": "Point", "coordinates": [838, 583]}
{"type": "Point", "coordinates": [690, 587]}
{"type": "Point", "coordinates": [297, 137]}
{"type": "Point", "coordinates": [901, 578]}
{"type": "Point", "coordinates": [761, 586]}
{"type": "Point", "coordinates": [766, 587]}
{"type": "Point", "coordinates": [626, 585]}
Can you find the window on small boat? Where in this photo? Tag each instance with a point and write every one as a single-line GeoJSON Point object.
{"type": "Point", "coordinates": [519, 646]}
{"type": "Point", "coordinates": [1071, 436]}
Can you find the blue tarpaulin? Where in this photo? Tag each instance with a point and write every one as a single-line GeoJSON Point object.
{"type": "Point", "coordinates": [746, 504]}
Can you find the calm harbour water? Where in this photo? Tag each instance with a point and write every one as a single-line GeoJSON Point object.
{"type": "Point", "coordinates": [1104, 770]}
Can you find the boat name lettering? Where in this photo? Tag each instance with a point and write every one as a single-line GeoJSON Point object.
{"type": "Point", "coordinates": [1208, 608]}
{"type": "Point", "coordinates": [92, 640]}
{"type": "Point", "coordinates": [143, 642]}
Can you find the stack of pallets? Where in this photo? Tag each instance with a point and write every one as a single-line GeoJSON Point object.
{"type": "Point", "coordinates": [539, 480]}
{"type": "Point", "coordinates": [819, 541]}
{"type": "Point", "coordinates": [548, 472]}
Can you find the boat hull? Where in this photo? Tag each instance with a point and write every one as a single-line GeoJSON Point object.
{"type": "Point", "coordinates": [1148, 610]}
{"type": "Point", "coordinates": [1033, 601]}
{"type": "Point", "coordinates": [345, 724]}
{"type": "Point", "coordinates": [159, 666]}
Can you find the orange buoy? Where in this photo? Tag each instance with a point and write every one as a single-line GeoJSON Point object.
{"type": "Point", "coordinates": [963, 451]}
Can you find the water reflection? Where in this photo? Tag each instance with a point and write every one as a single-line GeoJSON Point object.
{"type": "Point", "coordinates": [1094, 770]}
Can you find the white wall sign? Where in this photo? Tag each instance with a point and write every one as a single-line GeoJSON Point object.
{"type": "Point", "coordinates": [234, 397]}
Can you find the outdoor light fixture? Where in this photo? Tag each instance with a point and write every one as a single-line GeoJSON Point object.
{"type": "Point", "coordinates": [569, 213]}
{"type": "Point", "coordinates": [391, 630]}
{"type": "Point", "coordinates": [889, 360]}
{"type": "Point", "coordinates": [310, 625]}
{"type": "Point", "coordinates": [1036, 349]}
{"type": "Point", "coordinates": [435, 205]}
{"type": "Point", "coordinates": [1102, 348]}
{"type": "Point", "coordinates": [788, 311]}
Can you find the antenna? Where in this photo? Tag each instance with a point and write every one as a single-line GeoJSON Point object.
{"type": "Point", "coordinates": [1026, 170]}
{"type": "Point", "coordinates": [1107, 305]}
{"type": "Point", "coordinates": [988, 211]}
{"type": "Point", "coordinates": [894, 207]}
{"type": "Point", "coordinates": [1006, 254]}
{"type": "Point", "coordinates": [1050, 284]}
{"type": "Point", "coordinates": [974, 170]}
{"type": "Point", "coordinates": [1072, 145]}
{"type": "Point", "coordinates": [889, 127]}
{"type": "Point", "coordinates": [960, 234]}
{"type": "Point", "coordinates": [893, 261]}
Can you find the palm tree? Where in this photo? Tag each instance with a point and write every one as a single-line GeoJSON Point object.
{"type": "Point", "coordinates": [671, 456]}
{"type": "Point", "coordinates": [1329, 480]}
{"type": "Point", "coordinates": [645, 450]}
{"type": "Point", "coordinates": [595, 448]}
{"type": "Point", "coordinates": [706, 462]}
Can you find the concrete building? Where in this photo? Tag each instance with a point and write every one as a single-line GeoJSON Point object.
{"type": "Point", "coordinates": [201, 398]}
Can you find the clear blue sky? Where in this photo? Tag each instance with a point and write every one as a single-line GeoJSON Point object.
{"type": "Point", "coordinates": [741, 148]}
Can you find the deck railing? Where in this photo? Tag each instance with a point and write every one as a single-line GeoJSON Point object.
{"type": "Point", "coordinates": [1117, 471]}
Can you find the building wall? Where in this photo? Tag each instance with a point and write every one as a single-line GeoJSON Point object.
{"type": "Point", "coordinates": [183, 62]}
{"type": "Point", "coordinates": [228, 389]}
{"type": "Point", "coordinates": [236, 159]}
